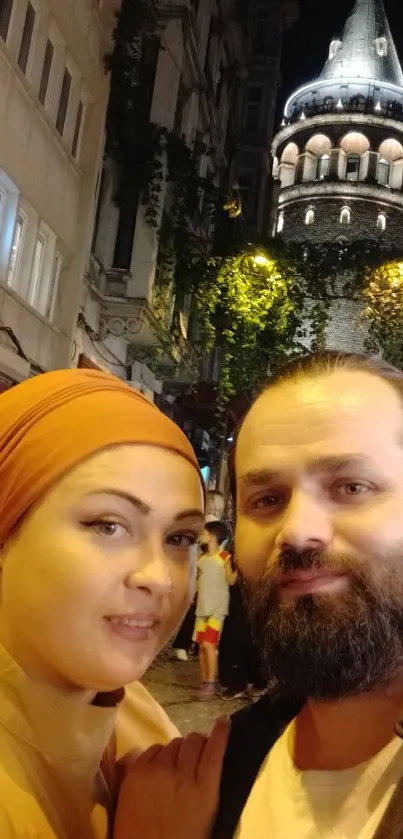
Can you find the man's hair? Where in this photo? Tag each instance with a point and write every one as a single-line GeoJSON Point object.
{"type": "Point", "coordinates": [218, 529]}
{"type": "Point", "coordinates": [320, 364]}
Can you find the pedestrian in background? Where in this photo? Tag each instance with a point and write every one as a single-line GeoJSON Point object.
{"type": "Point", "coordinates": [212, 602]}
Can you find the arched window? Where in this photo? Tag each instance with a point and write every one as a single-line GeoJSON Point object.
{"type": "Point", "coordinates": [353, 167]}
{"type": "Point", "coordinates": [280, 223]}
{"type": "Point", "coordinates": [323, 167]}
{"type": "Point", "coordinates": [345, 215]}
{"type": "Point", "coordinates": [381, 46]}
{"type": "Point", "coordinates": [383, 171]}
{"type": "Point", "coordinates": [310, 216]}
{"type": "Point", "coordinates": [381, 222]}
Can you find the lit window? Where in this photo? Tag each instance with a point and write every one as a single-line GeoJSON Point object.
{"type": "Point", "coordinates": [63, 102]}
{"type": "Point", "coordinates": [6, 7]}
{"type": "Point", "coordinates": [381, 46]}
{"type": "Point", "coordinates": [334, 49]}
{"type": "Point", "coordinates": [26, 40]}
{"type": "Point", "coordinates": [47, 66]}
{"type": "Point", "coordinates": [383, 171]}
{"type": "Point", "coordinates": [381, 222]}
{"type": "Point", "coordinates": [280, 223]}
{"type": "Point", "coordinates": [16, 251]}
{"type": "Point", "coordinates": [353, 167]}
{"type": "Point", "coordinates": [323, 167]}
{"type": "Point", "coordinates": [78, 130]}
{"type": "Point", "coordinates": [345, 215]}
{"type": "Point", "coordinates": [309, 216]}
{"type": "Point", "coordinates": [37, 270]}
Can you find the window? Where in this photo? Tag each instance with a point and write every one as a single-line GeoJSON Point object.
{"type": "Point", "coordinates": [6, 7]}
{"type": "Point", "coordinates": [47, 66]}
{"type": "Point", "coordinates": [381, 222]}
{"type": "Point", "coordinates": [353, 167]}
{"type": "Point", "coordinates": [49, 302]}
{"type": "Point", "coordinates": [280, 223]}
{"type": "Point", "coordinates": [334, 49]}
{"type": "Point", "coordinates": [310, 216]}
{"type": "Point", "coordinates": [381, 46]}
{"type": "Point", "coordinates": [383, 171]}
{"type": "Point", "coordinates": [26, 40]}
{"type": "Point", "coordinates": [252, 116]}
{"type": "Point", "coordinates": [323, 167]}
{"type": "Point", "coordinates": [37, 270]}
{"type": "Point", "coordinates": [78, 129]}
{"type": "Point", "coordinates": [63, 102]}
{"type": "Point", "coordinates": [345, 215]}
{"type": "Point", "coordinates": [16, 251]}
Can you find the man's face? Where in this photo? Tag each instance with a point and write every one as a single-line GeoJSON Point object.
{"type": "Point", "coordinates": [319, 537]}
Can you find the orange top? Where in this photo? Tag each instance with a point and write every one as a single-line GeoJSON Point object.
{"type": "Point", "coordinates": [52, 422]}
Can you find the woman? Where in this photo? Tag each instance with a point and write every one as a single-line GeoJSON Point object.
{"type": "Point", "coordinates": [101, 505]}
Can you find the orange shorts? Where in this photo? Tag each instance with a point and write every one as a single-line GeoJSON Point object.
{"type": "Point", "coordinates": [209, 630]}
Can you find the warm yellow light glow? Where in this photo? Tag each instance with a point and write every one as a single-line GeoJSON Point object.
{"type": "Point", "coordinates": [260, 259]}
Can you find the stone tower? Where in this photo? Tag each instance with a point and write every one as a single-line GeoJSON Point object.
{"type": "Point", "coordinates": [338, 157]}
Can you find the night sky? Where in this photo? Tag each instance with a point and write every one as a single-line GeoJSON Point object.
{"type": "Point", "coordinates": [306, 47]}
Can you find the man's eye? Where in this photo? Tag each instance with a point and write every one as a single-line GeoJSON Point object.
{"type": "Point", "coordinates": [270, 499]}
{"type": "Point", "coordinates": [107, 527]}
{"type": "Point", "coordinates": [182, 540]}
{"type": "Point", "coordinates": [352, 489]}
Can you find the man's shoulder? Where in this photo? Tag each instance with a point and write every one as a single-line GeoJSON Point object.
{"type": "Point", "coordinates": [254, 730]}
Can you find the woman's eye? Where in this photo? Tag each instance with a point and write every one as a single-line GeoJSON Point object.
{"type": "Point", "coordinates": [182, 540]}
{"type": "Point", "coordinates": [107, 527]}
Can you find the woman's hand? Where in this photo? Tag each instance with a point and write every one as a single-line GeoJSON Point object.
{"type": "Point", "coordinates": [172, 792]}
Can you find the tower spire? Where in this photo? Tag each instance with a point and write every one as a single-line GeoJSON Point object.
{"type": "Point", "coordinates": [366, 49]}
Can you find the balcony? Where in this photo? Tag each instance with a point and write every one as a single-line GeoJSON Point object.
{"type": "Point", "coordinates": [392, 109]}
{"type": "Point", "coordinates": [168, 353]}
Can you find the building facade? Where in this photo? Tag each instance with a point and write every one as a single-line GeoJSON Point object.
{"type": "Point", "coordinates": [266, 23]}
{"type": "Point", "coordinates": [53, 100]}
{"type": "Point", "coordinates": [338, 157]}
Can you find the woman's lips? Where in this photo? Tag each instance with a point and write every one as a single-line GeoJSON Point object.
{"type": "Point", "coordinates": [135, 627]}
{"type": "Point", "coordinates": [298, 583]}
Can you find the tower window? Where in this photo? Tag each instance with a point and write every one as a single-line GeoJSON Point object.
{"type": "Point", "coordinates": [353, 167]}
{"type": "Point", "coordinates": [383, 171]}
{"type": "Point", "coordinates": [381, 222]}
{"type": "Point", "coordinates": [310, 216]}
{"type": "Point", "coordinates": [381, 46]}
{"type": "Point", "coordinates": [323, 167]}
{"type": "Point", "coordinates": [280, 223]}
{"type": "Point", "coordinates": [345, 215]}
{"type": "Point", "coordinates": [333, 49]}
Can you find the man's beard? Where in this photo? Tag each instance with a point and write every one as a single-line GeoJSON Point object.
{"type": "Point", "coordinates": [330, 646]}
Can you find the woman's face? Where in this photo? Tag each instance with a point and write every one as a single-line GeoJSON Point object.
{"type": "Point", "coordinates": [100, 574]}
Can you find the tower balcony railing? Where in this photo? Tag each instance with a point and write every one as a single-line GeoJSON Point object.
{"type": "Point", "coordinates": [392, 109]}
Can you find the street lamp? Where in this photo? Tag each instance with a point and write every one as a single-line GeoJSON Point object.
{"type": "Point", "coordinates": [260, 259]}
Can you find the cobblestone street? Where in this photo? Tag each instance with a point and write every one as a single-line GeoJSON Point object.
{"type": "Point", "coordinates": [174, 684]}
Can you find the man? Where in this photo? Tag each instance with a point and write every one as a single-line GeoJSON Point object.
{"type": "Point", "coordinates": [319, 547]}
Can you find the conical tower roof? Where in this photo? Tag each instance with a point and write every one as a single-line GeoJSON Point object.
{"type": "Point", "coordinates": [366, 49]}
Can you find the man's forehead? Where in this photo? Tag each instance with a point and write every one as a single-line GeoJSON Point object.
{"type": "Point", "coordinates": [351, 409]}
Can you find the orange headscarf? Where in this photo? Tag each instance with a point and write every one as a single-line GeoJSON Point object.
{"type": "Point", "coordinates": [50, 423]}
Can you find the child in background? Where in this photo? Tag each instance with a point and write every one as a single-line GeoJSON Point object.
{"type": "Point", "coordinates": [212, 602]}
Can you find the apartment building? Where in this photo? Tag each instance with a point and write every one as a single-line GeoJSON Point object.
{"type": "Point", "coordinates": [53, 100]}
{"type": "Point", "coordinates": [191, 75]}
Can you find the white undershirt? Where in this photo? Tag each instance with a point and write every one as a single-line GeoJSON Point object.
{"type": "Point", "coordinates": [286, 803]}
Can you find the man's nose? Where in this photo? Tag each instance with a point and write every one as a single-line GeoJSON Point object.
{"type": "Point", "coordinates": [150, 569]}
{"type": "Point", "coordinates": [306, 524]}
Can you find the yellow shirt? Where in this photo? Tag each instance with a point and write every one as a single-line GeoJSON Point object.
{"type": "Point", "coordinates": [51, 745]}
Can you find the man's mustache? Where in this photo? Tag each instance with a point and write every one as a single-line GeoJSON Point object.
{"type": "Point", "coordinates": [292, 559]}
